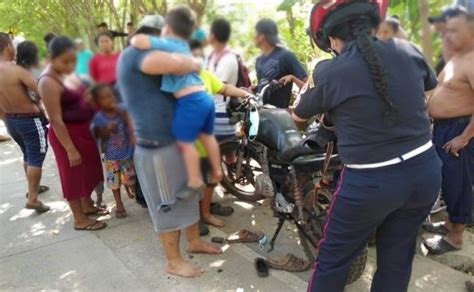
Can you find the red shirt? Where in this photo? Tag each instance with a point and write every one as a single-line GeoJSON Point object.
{"type": "Point", "coordinates": [103, 68]}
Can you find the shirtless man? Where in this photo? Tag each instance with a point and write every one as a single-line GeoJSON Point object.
{"type": "Point", "coordinates": [23, 118]}
{"type": "Point", "coordinates": [452, 108]}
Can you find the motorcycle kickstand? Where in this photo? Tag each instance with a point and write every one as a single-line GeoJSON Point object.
{"type": "Point", "coordinates": [281, 221]}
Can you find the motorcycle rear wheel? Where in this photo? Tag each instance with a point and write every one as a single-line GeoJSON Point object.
{"type": "Point", "coordinates": [244, 190]}
{"type": "Point", "coordinates": [315, 230]}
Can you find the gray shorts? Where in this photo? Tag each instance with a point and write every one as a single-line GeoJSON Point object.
{"type": "Point", "coordinates": [162, 174]}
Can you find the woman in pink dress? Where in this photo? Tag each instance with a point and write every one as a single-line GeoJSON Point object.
{"type": "Point", "coordinates": [76, 152]}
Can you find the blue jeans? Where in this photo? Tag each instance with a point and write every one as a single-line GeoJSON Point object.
{"type": "Point", "coordinates": [393, 201]}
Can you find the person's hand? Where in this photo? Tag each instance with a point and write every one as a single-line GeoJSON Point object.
{"type": "Point", "coordinates": [456, 145]}
{"type": "Point", "coordinates": [287, 79]}
{"type": "Point", "coordinates": [198, 64]}
{"type": "Point", "coordinates": [74, 158]}
{"type": "Point", "coordinates": [111, 127]}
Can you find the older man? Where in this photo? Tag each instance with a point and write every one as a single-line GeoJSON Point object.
{"type": "Point", "coordinates": [159, 163]}
{"type": "Point", "coordinates": [452, 108]}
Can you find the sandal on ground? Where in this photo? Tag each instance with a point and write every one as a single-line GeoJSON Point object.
{"type": "Point", "coordinates": [439, 246]}
{"type": "Point", "coordinates": [218, 240]}
{"type": "Point", "coordinates": [41, 189]}
{"type": "Point", "coordinates": [290, 263]}
{"type": "Point", "coordinates": [120, 214]}
{"type": "Point", "coordinates": [98, 212]}
{"type": "Point", "coordinates": [437, 228]}
{"type": "Point", "coordinates": [95, 226]}
{"type": "Point", "coordinates": [261, 267]}
{"type": "Point", "coordinates": [243, 236]}
{"type": "Point", "coordinates": [219, 210]}
{"type": "Point", "coordinates": [40, 208]}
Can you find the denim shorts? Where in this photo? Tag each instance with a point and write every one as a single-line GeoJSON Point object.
{"type": "Point", "coordinates": [29, 131]}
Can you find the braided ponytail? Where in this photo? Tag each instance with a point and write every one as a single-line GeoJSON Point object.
{"type": "Point", "coordinates": [360, 31]}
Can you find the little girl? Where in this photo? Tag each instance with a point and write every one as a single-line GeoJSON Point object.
{"type": "Point", "coordinates": [114, 128]}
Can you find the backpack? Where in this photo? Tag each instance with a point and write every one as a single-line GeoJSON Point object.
{"type": "Point", "coordinates": [243, 77]}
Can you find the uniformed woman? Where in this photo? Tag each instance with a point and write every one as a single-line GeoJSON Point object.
{"type": "Point", "coordinates": [375, 93]}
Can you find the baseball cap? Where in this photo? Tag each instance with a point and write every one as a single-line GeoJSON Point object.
{"type": "Point", "coordinates": [78, 41]}
{"type": "Point", "coordinates": [153, 21]}
{"type": "Point", "coordinates": [451, 11]}
{"type": "Point", "coordinates": [269, 29]}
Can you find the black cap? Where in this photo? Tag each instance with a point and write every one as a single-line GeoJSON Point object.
{"type": "Point", "coordinates": [269, 29]}
{"type": "Point", "coordinates": [451, 11]}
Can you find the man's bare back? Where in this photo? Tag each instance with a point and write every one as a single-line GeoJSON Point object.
{"type": "Point", "coordinates": [454, 96]}
{"type": "Point", "coordinates": [14, 81]}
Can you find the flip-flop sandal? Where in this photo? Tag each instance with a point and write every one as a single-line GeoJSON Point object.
{"type": "Point", "coordinates": [102, 205]}
{"type": "Point", "coordinates": [243, 236]}
{"type": "Point", "coordinates": [218, 240]}
{"type": "Point", "coordinates": [120, 214]}
{"type": "Point", "coordinates": [219, 210]}
{"type": "Point", "coordinates": [289, 263]}
{"type": "Point", "coordinates": [98, 212]}
{"type": "Point", "coordinates": [41, 189]}
{"type": "Point", "coordinates": [261, 267]}
{"type": "Point", "coordinates": [437, 228]}
{"type": "Point", "coordinates": [40, 208]}
{"type": "Point", "coordinates": [439, 247]}
{"type": "Point", "coordinates": [97, 225]}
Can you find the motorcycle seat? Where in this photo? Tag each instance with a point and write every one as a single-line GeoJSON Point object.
{"type": "Point", "coordinates": [314, 162]}
{"type": "Point", "coordinates": [289, 155]}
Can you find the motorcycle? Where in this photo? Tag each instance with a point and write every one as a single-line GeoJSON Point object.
{"type": "Point", "coordinates": [271, 155]}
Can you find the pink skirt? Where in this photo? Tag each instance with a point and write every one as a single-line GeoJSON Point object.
{"type": "Point", "coordinates": [78, 182]}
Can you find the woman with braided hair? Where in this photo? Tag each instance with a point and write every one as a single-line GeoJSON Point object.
{"type": "Point", "coordinates": [375, 94]}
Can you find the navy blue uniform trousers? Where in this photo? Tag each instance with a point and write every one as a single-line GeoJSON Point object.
{"type": "Point", "coordinates": [458, 174]}
{"type": "Point", "coordinates": [394, 201]}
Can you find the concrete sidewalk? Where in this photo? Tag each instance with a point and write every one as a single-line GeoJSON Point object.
{"type": "Point", "coordinates": [43, 252]}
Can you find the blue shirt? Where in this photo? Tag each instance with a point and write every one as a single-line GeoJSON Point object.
{"type": "Point", "coordinates": [278, 64]}
{"type": "Point", "coordinates": [150, 108]}
{"type": "Point", "coordinates": [175, 83]}
{"type": "Point", "coordinates": [117, 146]}
{"type": "Point", "coordinates": [344, 87]}
{"type": "Point", "coordinates": [83, 59]}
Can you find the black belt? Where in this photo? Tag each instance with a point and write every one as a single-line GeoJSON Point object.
{"type": "Point", "coordinates": [24, 115]}
{"type": "Point", "coordinates": [152, 145]}
{"type": "Point", "coordinates": [461, 120]}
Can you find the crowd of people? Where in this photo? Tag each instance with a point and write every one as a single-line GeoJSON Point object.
{"type": "Point", "coordinates": [153, 115]}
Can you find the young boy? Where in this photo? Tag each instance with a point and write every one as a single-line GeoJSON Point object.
{"type": "Point", "coordinates": [194, 111]}
{"type": "Point", "coordinates": [113, 126]}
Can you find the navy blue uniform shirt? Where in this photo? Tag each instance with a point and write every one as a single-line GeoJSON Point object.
{"type": "Point", "coordinates": [343, 87]}
{"type": "Point", "coordinates": [280, 63]}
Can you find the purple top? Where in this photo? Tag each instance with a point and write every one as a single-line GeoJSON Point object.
{"type": "Point", "coordinates": [74, 108]}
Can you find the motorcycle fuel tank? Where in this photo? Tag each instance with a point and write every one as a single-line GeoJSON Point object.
{"type": "Point", "coordinates": [277, 130]}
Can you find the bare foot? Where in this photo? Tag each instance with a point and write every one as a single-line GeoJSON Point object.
{"type": "Point", "coordinates": [184, 269]}
{"type": "Point", "coordinates": [200, 246]}
{"type": "Point", "coordinates": [214, 221]}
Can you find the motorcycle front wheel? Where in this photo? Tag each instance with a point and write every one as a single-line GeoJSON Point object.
{"type": "Point", "coordinates": [242, 187]}
{"type": "Point", "coordinates": [314, 229]}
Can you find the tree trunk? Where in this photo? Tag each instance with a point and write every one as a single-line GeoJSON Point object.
{"type": "Point", "coordinates": [426, 43]}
